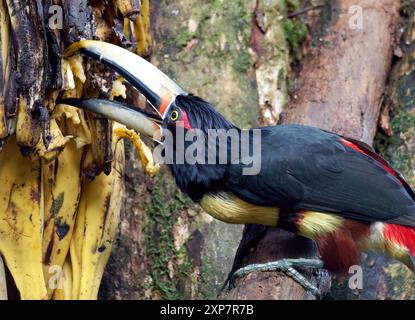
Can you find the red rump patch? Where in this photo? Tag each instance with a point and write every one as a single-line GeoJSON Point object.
{"type": "Point", "coordinates": [401, 235]}
{"type": "Point", "coordinates": [340, 249]}
{"type": "Point", "coordinates": [374, 156]}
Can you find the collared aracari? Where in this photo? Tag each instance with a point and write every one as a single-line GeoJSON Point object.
{"type": "Point", "coordinates": [329, 188]}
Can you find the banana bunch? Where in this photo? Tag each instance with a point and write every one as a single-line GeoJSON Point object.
{"type": "Point", "coordinates": [61, 168]}
{"type": "Point", "coordinates": [136, 25]}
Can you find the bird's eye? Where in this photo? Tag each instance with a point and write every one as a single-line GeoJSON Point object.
{"type": "Point", "coordinates": [174, 115]}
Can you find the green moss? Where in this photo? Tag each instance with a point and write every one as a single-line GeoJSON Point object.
{"type": "Point", "coordinates": [218, 61]}
{"type": "Point", "coordinates": [403, 280]}
{"type": "Point", "coordinates": [183, 37]}
{"type": "Point", "coordinates": [281, 79]}
{"type": "Point", "coordinates": [291, 86]}
{"type": "Point", "coordinates": [402, 120]}
{"type": "Point", "coordinates": [290, 5]}
{"type": "Point", "coordinates": [393, 148]}
{"type": "Point", "coordinates": [295, 31]}
{"type": "Point", "coordinates": [163, 212]}
{"type": "Point", "coordinates": [242, 63]}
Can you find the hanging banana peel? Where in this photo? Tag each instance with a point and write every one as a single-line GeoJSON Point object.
{"type": "Point", "coordinates": [21, 221]}
{"type": "Point", "coordinates": [30, 50]}
{"type": "Point", "coordinates": [100, 218]}
{"type": "Point", "coordinates": [61, 168]}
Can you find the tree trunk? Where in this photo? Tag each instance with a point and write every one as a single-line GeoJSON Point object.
{"type": "Point", "coordinates": [383, 277]}
{"type": "Point", "coordinates": [340, 88]}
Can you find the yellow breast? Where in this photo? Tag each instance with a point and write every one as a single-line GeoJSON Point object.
{"type": "Point", "coordinates": [229, 208]}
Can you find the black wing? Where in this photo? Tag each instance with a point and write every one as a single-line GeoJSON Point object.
{"type": "Point", "coordinates": [306, 168]}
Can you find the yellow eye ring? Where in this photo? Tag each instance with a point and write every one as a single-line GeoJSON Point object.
{"type": "Point", "coordinates": [174, 115]}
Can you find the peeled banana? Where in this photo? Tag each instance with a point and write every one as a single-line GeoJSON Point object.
{"type": "Point", "coordinates": [142, 29]}
{"type": "Point", "coordinates": [128, 8]}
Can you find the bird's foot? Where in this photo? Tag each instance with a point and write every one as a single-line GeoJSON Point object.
{"type": "Point", "coordinates": [286, 266]}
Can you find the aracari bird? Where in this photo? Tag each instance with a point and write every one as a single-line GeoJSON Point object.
{"type": "Point", "coordinates": [329, 188]}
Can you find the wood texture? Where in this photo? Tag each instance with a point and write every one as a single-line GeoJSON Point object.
{"type": "Point", "coordinates": [341, 86]}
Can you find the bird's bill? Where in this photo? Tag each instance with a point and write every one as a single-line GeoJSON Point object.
{"type": "Point", "coordinates": [142, 122]}
{"type": "Point", "coordinates": [157, 87]}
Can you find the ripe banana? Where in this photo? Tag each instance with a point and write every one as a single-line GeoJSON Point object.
{"type": "Point", "coordinates": [64, 282]}
{"type": "Point", "coordinates": [62, 188]}
{"type": "Point", "coordinates": [142, 29]}
{"type": "Point", "coordinates": [128, 7]}
{"type": "Point", "coordinates": [21, 220]}
{"type": "Point", "coordinates": [95, 227]}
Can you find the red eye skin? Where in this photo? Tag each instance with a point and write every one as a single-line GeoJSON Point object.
{"type": "Point", "coordinates": [184, 121]}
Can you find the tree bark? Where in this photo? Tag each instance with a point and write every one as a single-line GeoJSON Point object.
{"type": "Point", "coordinates": [340, 89]}
{"type": "Point", "coordinates": [385, 278]}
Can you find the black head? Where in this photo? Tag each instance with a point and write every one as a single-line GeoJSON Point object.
{"type": "Point", "coordinates": [192, 112]}
{"type": "Point", "coordinates": [192, 115]}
